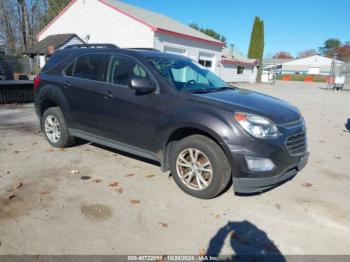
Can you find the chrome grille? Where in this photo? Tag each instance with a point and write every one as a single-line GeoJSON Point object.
{"type": "Point", "coordinates": [296, 144]}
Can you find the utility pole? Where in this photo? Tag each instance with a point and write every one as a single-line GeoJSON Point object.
{"type": "Point", "coordinates": [332, 72]}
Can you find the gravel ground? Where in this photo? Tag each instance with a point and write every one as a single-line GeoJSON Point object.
{"type": "Point", "coordinates": [127, 206]}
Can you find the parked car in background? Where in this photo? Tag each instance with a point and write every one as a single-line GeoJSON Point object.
{"type": "Point", "coordinates": [170, 109]}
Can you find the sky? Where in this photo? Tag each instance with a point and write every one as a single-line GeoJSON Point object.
{"type": "Point", "coordinates": [291, 26]}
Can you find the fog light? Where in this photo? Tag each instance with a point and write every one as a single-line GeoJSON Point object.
{"type": "Point", "coordinates": [259, 163]}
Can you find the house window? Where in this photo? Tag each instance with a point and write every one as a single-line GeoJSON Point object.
{"type": "Point", "coordinates": [205, 63]}
{"type": "Point", "coordinates": [240, 70]}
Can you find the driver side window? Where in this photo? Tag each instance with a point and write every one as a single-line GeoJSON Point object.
{"type": "Point", "coordinates": [122, 69]}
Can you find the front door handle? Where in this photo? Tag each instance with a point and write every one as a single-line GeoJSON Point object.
{"type": "Point", "coordinates": [108, 95]}
{"type": "Point", "coordinates": [66, 84]}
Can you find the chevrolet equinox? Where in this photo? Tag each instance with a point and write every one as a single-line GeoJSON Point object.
{"type": "Point", "coordinates": [170, 109]}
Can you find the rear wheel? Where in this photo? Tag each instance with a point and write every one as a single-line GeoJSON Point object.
{"type": "Point", "coordinates": [55, 128]}
{"type": "Point", "coordinates": [200, 167]}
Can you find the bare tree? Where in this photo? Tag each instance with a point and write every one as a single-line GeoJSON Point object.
{"type": "Point", "coordinates": [8, 25]}
{"type": "Point", "coordinates": [307, 53]}
{"type": "Point", "coordinates": [21, 20]}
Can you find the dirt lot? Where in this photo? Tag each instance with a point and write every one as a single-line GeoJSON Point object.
{"type": "Point", "coordinates": [129, 207]}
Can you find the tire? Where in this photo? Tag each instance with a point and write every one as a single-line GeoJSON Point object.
{"type": "Point", "coordinates": [64, 139]}
{"type": "Point", "coordinates": [218, 176]}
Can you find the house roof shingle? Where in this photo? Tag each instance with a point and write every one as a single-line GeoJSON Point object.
{"type": "Point", "coordinates": [159, 21]}
{"type": "Point", "coordinates": [232, 57]}
{"type": "Point", "coordinates": [41, 48]}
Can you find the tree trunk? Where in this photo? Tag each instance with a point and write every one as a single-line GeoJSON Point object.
{"type": "Point", "coordinates": [22, 11]}
{"type": "Point", "coordinates": [7, 25]}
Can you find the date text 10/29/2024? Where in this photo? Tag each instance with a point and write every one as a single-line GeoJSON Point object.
{"type": "Point", "coordinates": [172, 258]}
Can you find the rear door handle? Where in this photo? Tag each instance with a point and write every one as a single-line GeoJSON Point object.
{"type": "Point", "coordinates": [108, 95]}
{"type": "Point", "coordinates": [66, 84]}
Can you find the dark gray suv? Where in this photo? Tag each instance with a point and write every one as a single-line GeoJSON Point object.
{"type": "Point", "coordinates": [172, 110]}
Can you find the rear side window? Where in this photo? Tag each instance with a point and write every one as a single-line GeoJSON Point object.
{"type": "Point", "coordinates": [54, 60]}
{"type": "Point", "coordinates": [92, 67]}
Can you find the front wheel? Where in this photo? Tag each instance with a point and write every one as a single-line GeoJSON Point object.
{"type": "Point", "coordinates": [200, 167]}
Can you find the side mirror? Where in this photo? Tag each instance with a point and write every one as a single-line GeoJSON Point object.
{"type": "Point", "coordinates": [141, 84]}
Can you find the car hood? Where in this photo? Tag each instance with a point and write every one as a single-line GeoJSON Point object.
{"type": "Point", "coordinates": [248, 101]}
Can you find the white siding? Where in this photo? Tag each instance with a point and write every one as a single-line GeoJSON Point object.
{"type": "Point", "coordinates": [228, 73]}
{"type": "Point", "coordinates": [192, 49]}
{"type": "Point", "coordinates": [103, 24]}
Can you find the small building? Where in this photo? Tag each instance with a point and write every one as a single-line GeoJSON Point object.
{"type": "Point", "coordinates": [275, 64]}
{"type": "Point", "coordinates": [313, 65]}
{"type": "Point", "coordinates": [127, 26]}
{"type": "Point", "coordinates": [236, 68]}
{"type": "Point", "coordinates": [40, 52]}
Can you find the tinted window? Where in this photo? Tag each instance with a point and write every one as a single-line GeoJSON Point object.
{"type": "Point", "coordinates": [92, 67]}
{"type": "Point", "coordinates": [53, 60]}
{"type": "Point", "coordinates": [122, 69]}
{"type": "Point", "coordinates": [69, 69]}
{"type": "Point", "coordinates": [187, 76]}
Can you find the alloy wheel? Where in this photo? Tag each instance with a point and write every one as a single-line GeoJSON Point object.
{"type": "Point", "coordinates": [194, 169]}
{"type": "Point", "coordinates": [52, 129]}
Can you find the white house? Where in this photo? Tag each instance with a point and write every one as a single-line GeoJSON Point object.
{"type": "Point", "coordinates": [41, 50]}
{"type": "Point", "coordinates": [112, 21]}
{"type": "Point", "coordinates": [236, 68]}
{"type": "Point", "coordinates": [313, 65]}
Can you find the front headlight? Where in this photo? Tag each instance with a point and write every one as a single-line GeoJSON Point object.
{"type": "Point", "coordinates": [257, 126]}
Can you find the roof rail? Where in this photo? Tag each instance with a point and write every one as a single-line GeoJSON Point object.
{"type": "Point", "coordinates": [143, 49]}
{"type": "Point", "coordinates": [91, 46]}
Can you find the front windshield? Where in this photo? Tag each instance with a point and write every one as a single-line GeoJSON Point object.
{"type": "Point", "coordinates": [188, 76]}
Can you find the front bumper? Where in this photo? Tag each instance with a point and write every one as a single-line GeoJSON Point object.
{"type": "Point", "coordinates": [287, 164]}
{"type": "Point", "coordinates": [260, 184]}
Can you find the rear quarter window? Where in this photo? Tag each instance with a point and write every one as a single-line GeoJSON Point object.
{"type": "Point", "coordinates": [53, 61]}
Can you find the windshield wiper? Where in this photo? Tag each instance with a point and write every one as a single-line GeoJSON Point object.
{"type": "Point", "coordinates": [211, 90]}
{"type": "Point", "coordinates": [201, 91]}
{"type": "Point", "coordinates": [223, 89]}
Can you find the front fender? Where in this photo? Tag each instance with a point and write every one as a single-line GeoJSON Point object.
{"type": "Point", "coordinates": [216, 124]}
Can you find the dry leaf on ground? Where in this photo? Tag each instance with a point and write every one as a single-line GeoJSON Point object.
{"type": "Point", "coordinates": [308, 185]}
{"type": "Point", "coordinates": [163, 225]}
{"type": "Point", "coordinates": [130, 175]}
{"type": "Point", "coordinates": [12, 197]}
{"type": "Point", "coordinates": [135, 202]}
{"type": "Point", "coordinates": [45, 193]}
{"type": "Point", "coordinates": [278, 206]}
{"type": "Point", "coordinates": [119, 190]}
{"type": "Point", "coordinates": [202, 252]}
{"type": "Point", "coordinates": [114, 184]}
{"type": "Point", "coordinates": [217, 216]}
{"type": "Point", "coordinates": [97, 180]}
{"type": "Point", "coordinates": [150, 176]}
{"type": "Point", "coordinates": [19, 185]}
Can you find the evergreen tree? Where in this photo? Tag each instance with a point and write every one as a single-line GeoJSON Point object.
{"type": "Point", "coordinates": [256, 47]}
{"type": "Point", "coordinates": [54, 7]}
{"type": "Point", "coordinates": [209, 32]}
